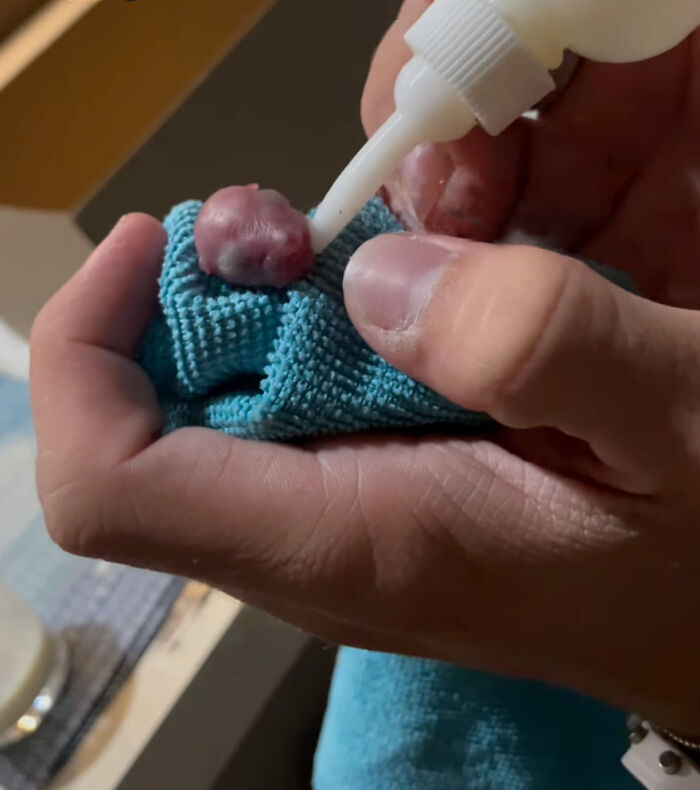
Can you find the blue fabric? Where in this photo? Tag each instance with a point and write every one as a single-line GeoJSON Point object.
{"type": "Point", "coordinates": [279, 365]}
{"type": "Point", "coordinates": [396, 723]}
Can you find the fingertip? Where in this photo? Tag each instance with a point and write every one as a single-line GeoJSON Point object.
{"type": "Point", "coordinates": [140, 219]}
{"type": "Point", "coordinates": [390, 281]}
{"type": "Point", "coordinates": [139, 234]}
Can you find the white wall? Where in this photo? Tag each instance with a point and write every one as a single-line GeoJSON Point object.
{"type": "Point", "coordinates": [38, 252]}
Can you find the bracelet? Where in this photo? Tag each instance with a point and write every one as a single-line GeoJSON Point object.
{"type": "Point", "coordinates": [661, 760]}
{"type": "Point", "coordinates": [690, 745]}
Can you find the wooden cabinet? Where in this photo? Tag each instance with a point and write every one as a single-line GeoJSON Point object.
{"type": "Point", "coordinates": [14, 12]}
{"type": "Point", "coordinates": [84, 83]}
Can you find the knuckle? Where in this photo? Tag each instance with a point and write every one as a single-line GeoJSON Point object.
{"type": "Point", "coordinates": [75, 516]}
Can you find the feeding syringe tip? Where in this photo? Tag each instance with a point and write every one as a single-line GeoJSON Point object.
{"type": "Point", "coordinates": [362, 178]}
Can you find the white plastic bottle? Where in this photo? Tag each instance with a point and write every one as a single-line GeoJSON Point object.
{"type": "Point", "coordinates": [487, 62]}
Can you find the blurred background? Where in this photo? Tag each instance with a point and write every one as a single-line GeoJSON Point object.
{"type": "Point", "coordinates": [133, 106]}
{"type": "Point", "coordinates": [111, 106]}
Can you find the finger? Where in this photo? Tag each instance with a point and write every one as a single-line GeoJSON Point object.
{"type": "Point", "coordinates": [465, 189]}
{"type": "Point", "coordinates": [660, 221]}
{"type": "Point", "coordinates": [536, 340]}
{"type": "Point", "coordinates": [87, 394]}
{"type": "Point", "coordinates": [336, 538]}
{"type": "Point", "coordinates": [587, 149]}
{"type": "Point", "coordinates": [252, 518]}
{"type": "Point", "coordinates": [194, 501]}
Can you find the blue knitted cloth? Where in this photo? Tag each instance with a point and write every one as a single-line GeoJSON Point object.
{"type": "Point", "coordinates": [396, 723]}
{"type": "Point", "coordinates": [278, 365]}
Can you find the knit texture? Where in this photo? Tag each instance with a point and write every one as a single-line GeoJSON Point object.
{"type": "Point", "coordinates": [397, 723]}
{"type": "Point", "coordinates": [277, 365]}
{"type": "Point", "coordinates": [280, 365]}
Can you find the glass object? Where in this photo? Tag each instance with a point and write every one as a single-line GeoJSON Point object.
{"type": "Point", "coordinates": [33, 669]}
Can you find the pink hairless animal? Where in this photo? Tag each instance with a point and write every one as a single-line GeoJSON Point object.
{"type": "Point", "coordinates": [253, 238]}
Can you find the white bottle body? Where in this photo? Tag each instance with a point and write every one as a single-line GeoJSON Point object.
{"type": "Point", "coordinates": [611, 31]}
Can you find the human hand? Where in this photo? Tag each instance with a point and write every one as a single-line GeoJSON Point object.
{"type": "Point", "coordinates": [610, 171]}
{"type": "Point", "coordinates": [564, 551]}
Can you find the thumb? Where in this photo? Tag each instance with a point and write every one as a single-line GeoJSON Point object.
{"type": "Point", "coordinates": [534, 339]}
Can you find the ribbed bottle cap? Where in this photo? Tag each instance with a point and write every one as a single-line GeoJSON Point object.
{"type": "Point", "coordinates": [475, 50]}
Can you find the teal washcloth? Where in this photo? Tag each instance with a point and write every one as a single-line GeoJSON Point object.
{"type": "Point", "coordinates": [279, 365]}
{"type": "Point", "coordinates": [396, 723]}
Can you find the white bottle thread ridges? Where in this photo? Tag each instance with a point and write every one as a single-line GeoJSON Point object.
{"type": "Point", "coordinates": [470, 45]}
